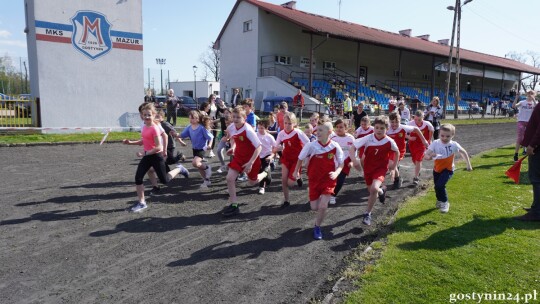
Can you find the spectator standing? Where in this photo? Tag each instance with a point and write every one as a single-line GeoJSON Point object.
{"type": "Point", "coordinates": [148, 98]}
{"type": "Point", "coordinates": [358, 115]}
{"type": "Point", "coordinates": [347, 107]}
{"type": "Point", "coordinates": [531, 140]}
{"type": "Point", "coordinates": [415, 104]}
{"type": "Point", "coordinates": [172, 103]}
{"type": "Point", "coordinates": [404, 112]}
{"type": "Point", "coordinates": [433, 113]}
{"type": "Point", "coordinates": [525, 108]}
{"type": "Point", "coordinates": [298, 104]}
{"type": "Point", "coordinates": [236, 98]}
{"type": "Point", "coordinates": [392, 104]}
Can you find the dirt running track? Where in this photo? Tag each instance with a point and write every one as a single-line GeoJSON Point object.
{"type": "Point", "coordinates": [66, 236]}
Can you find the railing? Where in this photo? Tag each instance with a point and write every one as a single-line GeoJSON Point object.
{"type": "Point", "coordinates": [18, 112]}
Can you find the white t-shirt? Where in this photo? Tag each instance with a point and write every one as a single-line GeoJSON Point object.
{"type": "Point", "coordinates": [525, 110]}
{"type": "Point", "coordinates": [267, 143]}
{"type": "Point", "coordinates": [406, 113]}
{"type": "Point", "coordinates": [345, 142]}
{"type": "Point", "coordinates": [444, 154]}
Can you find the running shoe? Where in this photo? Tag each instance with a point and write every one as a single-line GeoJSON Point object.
{"type": "Point", "coordinates": [180, 157]}
{"type": "Point", "coordinates": [261, 190]}
{"type": "Point", "coordinates": [183, 170]}
{"type": "Point", "coordinates": [317, 233]}
{"type": "Point", "coordinates": [222, 169]}
{"type": "Point", "coordinates": [211, 154]}
{"type": "Point", "coordinates": [205, 184]}
{"type": "Point", "coordinates": [382, 197]}
{"type": "Point", "coordinates": [332, 200]}
{"type": "Point", "coordinates": [516, 157]}
{"type": "Point", "coordinates": [300, 182]}
{"type": "Point", "coordinates": [242, 177]}
{"type": "Point", "coordinates": [285, 205]}
{"type": "Point", "coordinates": [155, 191]}
{"type": "Point", "coordinates": [397, 182]}
{"type": "Point", "coordinates": [367, 219]}
{"type": "Point", "coordinates": [231, 211]}
{"type": "Point", "coordinates": [416, 181]}
{"type": "Point", "coordinates": [139, 207]}
{"type": "Point", "coordinates": [445, 206]}
{"type": "Point", "coordinates": [438, 204]}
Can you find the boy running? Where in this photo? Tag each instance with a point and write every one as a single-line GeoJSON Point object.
{"type": "Point", "coordinates": [416, 146]}
{"type": "Point", "coordinates": [442, 151]}
{"type": "Point", "coordinates": [326, 162]}
{"type": "Point", "coordinates": [345, 141]}
{"type": "Point", "coordinates": [378, 148]}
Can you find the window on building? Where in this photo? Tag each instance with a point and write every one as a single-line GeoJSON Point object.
{"type": "Point", "coordinates": [285, 60]}
{"type": "Point", "coordinates": [248, 26]}
{"type": "Point", "coordinates": [329, 65]}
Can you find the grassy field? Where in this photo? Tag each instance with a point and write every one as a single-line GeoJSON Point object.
{"type": "Point", "coordinates": [75, 137]}
{"type": "Point", "coordinates": [429, 257]}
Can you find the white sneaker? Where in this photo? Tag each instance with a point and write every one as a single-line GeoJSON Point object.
{"type": "Point", "coordinates": [332, 200]}
{"type": "Point", "coordinates": [261, 190]}
{"type": "Point", "coordinates": [139, 207]}
{"type": "Point", "coordinates": [438, 205]}
{"type": "Point", "coordinates": [222, 169]}
{"type": "Point", "coordinates": [211, 154]}
{"type": "Point", "coordinates": [445, 206]}
{"type": "Point", "coordinates": [208, 171]}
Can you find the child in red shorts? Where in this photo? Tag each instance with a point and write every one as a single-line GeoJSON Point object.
{"type": "Point", "coordinates": [399, 133]}
{"type": "Point", "coordinates": [325, 164]}
{"type": "Point", "coordinates": [345, 141]}
{"type": "Point", "coordinates": [246, 148]}
{"type": "Point", "coordinates": [378, 147]}
{"type": "Point", "coordinates": [290, 142]}
{"type": "Point", "coordinates": [416, 146]}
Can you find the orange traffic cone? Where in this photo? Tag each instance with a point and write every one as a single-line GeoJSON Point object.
{"type": "Point", "coordinates": [514, 171]}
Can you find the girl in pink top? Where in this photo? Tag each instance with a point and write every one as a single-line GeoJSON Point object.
{"type": "Point", "coordinates": [152, 156]}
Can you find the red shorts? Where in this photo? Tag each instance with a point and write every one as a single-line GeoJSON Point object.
{"type": "Point", "coordinates": [321, 187]}
{"type": "Point", "coordinates": [291, 165]}
{"type": "Point", "coordinates": [417, 153]}
{"type": "Point", "coordinates": [369, 177]}
{"type": "Point", "coordinates": [235, 164]}
{"type": "Point", "coordinates": [346, 169]}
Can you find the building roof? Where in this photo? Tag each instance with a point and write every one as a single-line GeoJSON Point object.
{"type": "Point", "coordinates": [357, 32]}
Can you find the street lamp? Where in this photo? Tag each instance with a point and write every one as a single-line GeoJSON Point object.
{"type": "Point", "coordinates": [195, 84]}
{"type": "Point", "coordinates": [457, 95]}
{"type": "Point", "coordinates": [161, 62]}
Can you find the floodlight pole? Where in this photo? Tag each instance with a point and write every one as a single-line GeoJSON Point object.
{"type": "Point", "coordinates": [449, 70]}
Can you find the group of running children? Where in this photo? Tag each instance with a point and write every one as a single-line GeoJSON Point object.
{"type": "Point", "coordinates": [327, 149]}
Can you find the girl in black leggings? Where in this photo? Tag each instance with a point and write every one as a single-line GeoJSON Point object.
{"type": "Point", "coordinates": [152, 156]}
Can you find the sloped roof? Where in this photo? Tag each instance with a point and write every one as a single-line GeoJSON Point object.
{"type": "Point", "coordinates": [347, 30]}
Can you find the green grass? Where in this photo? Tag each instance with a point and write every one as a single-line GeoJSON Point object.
{"type": "Point", "coordinates": [476, 247]}
{"type": "Point", "coordinates": [75, 137]}
{"type": "Point", "coordinates": [477, 121]}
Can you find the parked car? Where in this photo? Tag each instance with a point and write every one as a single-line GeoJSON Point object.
{"type": "Point", "coordinates": [186, 104]}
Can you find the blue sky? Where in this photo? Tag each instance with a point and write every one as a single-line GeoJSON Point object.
{"type": "Point", "coordinates": [181, 30]}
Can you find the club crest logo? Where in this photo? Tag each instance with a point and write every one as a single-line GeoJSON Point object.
{"type": "Point", "coordinates": [330, 155]}
{"type": "Point", "coordinates": [91, 34]}
{"type": "Point", "coordinates": [241, 138]}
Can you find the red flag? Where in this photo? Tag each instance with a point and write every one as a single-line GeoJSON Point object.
{"type": "Point", "coordinates": [514, 171]}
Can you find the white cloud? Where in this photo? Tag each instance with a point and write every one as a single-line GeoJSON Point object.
{"type": "Point", "coordinates": [4, 34]}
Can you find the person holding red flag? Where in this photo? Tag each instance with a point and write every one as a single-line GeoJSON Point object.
{"type": "Point", "coordinates": [531, 140]}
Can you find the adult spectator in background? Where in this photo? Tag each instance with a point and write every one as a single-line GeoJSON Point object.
{"type": "Point", "coordinates": [358, 115]}
{"type": "Point", "coordinates": [392, 104]}
{"type": "Point", "coordinates": [172, 104]}
{"type": "Point", "coordinates": [148, 98]}
{"type": "Point", "coordinates": [213, 111]}
{"type": "Point", "coordinates": [236, 98]}
{"type": "Point", "coordinates": [404, 112]}
{"type": "Point", "coordinates": [298, 104]}
{"type": "Point", "coordinates": [433, 114]}
{"type": "Point", "coordinates": [347, 107]}
{"type": "Point", "coordinates": [531, 140]}
{"type": "Point", "coordinates": [525, 108]}
{"type": "Point", "coordinates": [415, 104]}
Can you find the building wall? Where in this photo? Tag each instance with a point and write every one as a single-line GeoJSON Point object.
{"type": "Point", "coordinates": [85, 85]}
{"type": "Point", "coordinates": [239, 52]}
{"type": "Point", "coordinates": [204, 88]}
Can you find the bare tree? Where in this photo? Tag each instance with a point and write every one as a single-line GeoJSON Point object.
{"type": "Point", "coordinates": [531, 58]}
{"type": "Point", "coordinates": [211, 61]}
